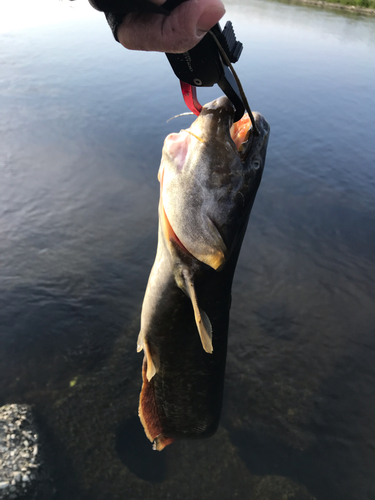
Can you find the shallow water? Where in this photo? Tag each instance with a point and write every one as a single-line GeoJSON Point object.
{"type": "Point", "coordinates": [82, 123]}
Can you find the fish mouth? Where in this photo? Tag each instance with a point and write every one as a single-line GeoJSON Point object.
{"type": "Point", "coordinates": [241, 133]}
{"type": "Point", "coordinates": [220, 113]}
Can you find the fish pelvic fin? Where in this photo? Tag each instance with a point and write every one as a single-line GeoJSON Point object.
{"type": "Point", "coordinates": [201, 319]}
{"type": "Point", "coordinates": [205, 332]}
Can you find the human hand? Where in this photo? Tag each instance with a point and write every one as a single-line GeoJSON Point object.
{"type": "Point", "coordinates": [180, 31]}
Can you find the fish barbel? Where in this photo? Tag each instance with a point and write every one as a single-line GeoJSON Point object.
{"type": "Point", "coordinates": [209, 175]}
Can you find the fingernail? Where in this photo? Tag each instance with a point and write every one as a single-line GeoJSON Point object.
{"type": "Point", "coordinates": [208, 19]}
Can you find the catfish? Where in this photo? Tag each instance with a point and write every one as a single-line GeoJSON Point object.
{"type": "Point", "coordinates": [209, 176]}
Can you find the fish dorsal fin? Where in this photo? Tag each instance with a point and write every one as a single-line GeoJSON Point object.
{"type": "Point", "coordinates": [201, 319]}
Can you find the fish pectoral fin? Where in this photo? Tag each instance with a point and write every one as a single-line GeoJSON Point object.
{"type": "Point", "coordinates": [219, 256]}
{"type": "Point", "coordinates": [201, 319]}
{"type": "Point", "coordinates": [214, 251]}
{"type": "Point", "coordinates": [152, 358]}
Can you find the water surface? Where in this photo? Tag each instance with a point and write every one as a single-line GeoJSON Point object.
{"type": "Point", "coordinates": [82, 123]}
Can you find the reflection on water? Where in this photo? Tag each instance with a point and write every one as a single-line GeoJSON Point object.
{"type": "Point", "coordinates": [82, 122]}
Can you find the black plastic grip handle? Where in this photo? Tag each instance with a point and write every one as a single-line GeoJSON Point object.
{"type": "Point", "coordinates": [203, 66]}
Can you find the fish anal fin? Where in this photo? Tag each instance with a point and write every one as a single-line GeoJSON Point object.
{"type": "Point", "coordinates": [152, 358]}
{"type": "Point", "coordinates": [201, 319]}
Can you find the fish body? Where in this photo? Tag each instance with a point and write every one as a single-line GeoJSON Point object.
{"type": "Point", "coordinates": [207, 189]}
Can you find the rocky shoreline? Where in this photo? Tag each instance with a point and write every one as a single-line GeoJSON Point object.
{"type": "Point", "coordinates": [340, 6]}
{"type": "Point", "coordinates": [23, 474]}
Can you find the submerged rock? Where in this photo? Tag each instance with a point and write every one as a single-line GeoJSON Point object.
{"type": "Point", "coordinates": [22, 472]}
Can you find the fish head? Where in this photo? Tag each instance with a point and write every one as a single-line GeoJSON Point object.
{"type": "Point", "coordinates": [209, 175]}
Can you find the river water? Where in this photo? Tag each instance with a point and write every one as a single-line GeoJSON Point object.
{"type": "Point", "coordinates": [82, 123]}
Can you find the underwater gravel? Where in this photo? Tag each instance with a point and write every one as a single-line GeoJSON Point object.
{"type": "Point", "coordinates": [22, 473]}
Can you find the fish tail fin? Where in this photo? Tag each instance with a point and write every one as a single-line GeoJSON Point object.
{"type": "Point", "coordinates": [201, 319]}
{"type": "Point", "coordinates": [149, 414]}
{"type": "Point", "coordinates": [161, 441]}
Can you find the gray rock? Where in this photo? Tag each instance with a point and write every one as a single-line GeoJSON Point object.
{"type": "Point", "coordinates": [20, 455]}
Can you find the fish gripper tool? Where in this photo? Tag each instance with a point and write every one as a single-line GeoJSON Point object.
{"type": "Point", "coordinates": [209, 63]}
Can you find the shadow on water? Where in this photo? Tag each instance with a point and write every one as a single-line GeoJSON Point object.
{"type": "Point", "coordinates": [136, 452]}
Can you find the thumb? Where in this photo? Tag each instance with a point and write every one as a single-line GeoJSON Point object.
{"type": "Point", "coordinates": [179, 32]}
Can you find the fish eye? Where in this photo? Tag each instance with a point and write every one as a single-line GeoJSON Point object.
{"type": "Point", "coordinates": [255, 164]}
